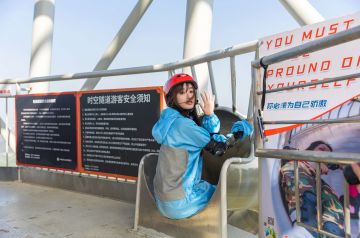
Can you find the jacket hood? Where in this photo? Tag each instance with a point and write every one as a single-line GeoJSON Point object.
{"type": "Point", "coordinates": [162, 126]}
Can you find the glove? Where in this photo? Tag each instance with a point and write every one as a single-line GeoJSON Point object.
{"type": "Point", "coordinates": [219, 138]}
{"type": "Point", "coordinates": [242, 129]}
{"type": "Point", "coordinates": [217, 145]}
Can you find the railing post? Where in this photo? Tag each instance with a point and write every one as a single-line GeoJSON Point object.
{"type": "Point", "coordinates": [171, 73]}
{"type": "Point", "coordinates": [347, 225]}
{"type": "Point", "coordinates": [233, 82]}
{"type": "Point", "coordinates": [137, 200]}
{"type": "Point", "coordinates": [7, 137]}
{"type": "Point", "coordinates": [318, 197]}
{"type": "Point", "coordinates": [297, 193]}
{"type": "Point", "coordinates": [212, 81]}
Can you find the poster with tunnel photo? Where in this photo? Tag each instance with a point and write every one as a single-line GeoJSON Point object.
{"type": "Point", "coordinates": [46, 130]}
{"type": "Point", "coordinates": [116, 129]}
{"type": "Point", "coordinates": [328, 100]}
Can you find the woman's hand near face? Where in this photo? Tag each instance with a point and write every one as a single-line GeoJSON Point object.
{"type": "Point", "coordinates": [323, 168]}
{"type": "Point", "coordinates": [208, 103]}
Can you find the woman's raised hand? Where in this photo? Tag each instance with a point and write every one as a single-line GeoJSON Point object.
{"type": "Point", "coordinates": [323, 168]}
{"type": "Point", "coordinates": [208, 103]}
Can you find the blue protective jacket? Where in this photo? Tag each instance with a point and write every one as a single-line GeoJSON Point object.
{"type": "Point", "coordinates": [179, 190]}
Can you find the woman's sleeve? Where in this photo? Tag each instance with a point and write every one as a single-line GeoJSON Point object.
{"type": "Point", "coordinates": [211, 123]}
{"type": "Point", "coordinates": [186, 134]}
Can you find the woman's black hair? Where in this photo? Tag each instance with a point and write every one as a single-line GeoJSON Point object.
{"type": "Point", "coordinates": [171, 102]}
{"type": "Point", "coordinates": [315, 144]}
{"type": "Point", "coordinates": [170, 98]}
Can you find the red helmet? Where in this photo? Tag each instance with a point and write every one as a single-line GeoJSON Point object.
{"type": "Point", "coordinates": [178, 79]}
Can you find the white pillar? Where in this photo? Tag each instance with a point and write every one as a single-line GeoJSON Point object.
{"type": "Point", "coordinates": [118, 41]}
{"type": "Point", "coordinates": [198, 36]}
{"type": "Point", "coordinates": [302, 11]}
{"type": "Point", "coordinates": [42, 38]}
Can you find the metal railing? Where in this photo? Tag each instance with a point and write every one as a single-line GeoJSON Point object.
{"type": "Point", "coordinates": [208, 58]}
{"type": "Point", "coordinates": [314, 156]}
{"type": "Point", "coordinates": [205, 58]}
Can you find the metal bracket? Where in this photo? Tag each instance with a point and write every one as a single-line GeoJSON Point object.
{"type": "Point", "coordinates": [261, 125]}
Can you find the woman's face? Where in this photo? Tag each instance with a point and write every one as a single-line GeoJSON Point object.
{"type": "Point", "coordinates": [322, 147]}
{"type": "Point", "coordinates": [185, 98]}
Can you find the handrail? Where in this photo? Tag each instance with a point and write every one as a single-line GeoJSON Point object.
{"type": "Point", "coordinates": [329, 80]}
{"type": "Point", "coordinates": [326, 42]}
{"type": "Point", "coordinates": [307, 155]}
{"type": "Point", "coordinates": [211, 56]}
{"type": "Point", "coordinates": [322, 121]}
{"type": "Point", "coordinates": [223, 189]}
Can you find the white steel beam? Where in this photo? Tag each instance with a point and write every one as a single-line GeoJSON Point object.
{"type": "Point", "coordinates": [118, 42]}
{"type": "Point", "coordinates": [198, 36]}
{"type": "Point", "coordinates": [302, 11]}
{"type": "Point", "coordinates": [42, 38]}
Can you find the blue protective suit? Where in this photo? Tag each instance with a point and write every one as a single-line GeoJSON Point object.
{"type": "Point", "coordinates": [179, 190]}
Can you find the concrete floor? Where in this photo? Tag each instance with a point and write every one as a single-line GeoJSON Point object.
{"type": "Point", "coordinates": [31, 211]}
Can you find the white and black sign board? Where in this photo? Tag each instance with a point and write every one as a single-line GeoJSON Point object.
{"type": "Point", "coordinates": [46, 130]}
{"type": "Point", "coordinates": [116, 129]}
